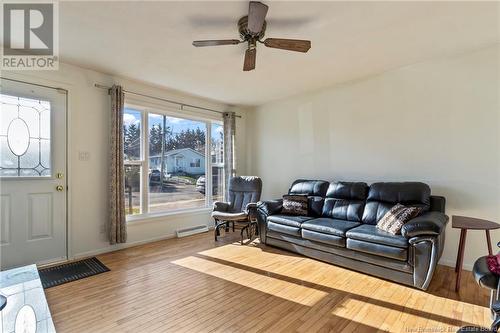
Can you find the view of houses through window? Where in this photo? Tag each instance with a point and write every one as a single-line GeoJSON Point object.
{"type": "Point", "coordinates": [175, 162]}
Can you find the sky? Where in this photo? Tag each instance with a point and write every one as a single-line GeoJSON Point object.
{"type": "Point", "coordinates": [132, 116]}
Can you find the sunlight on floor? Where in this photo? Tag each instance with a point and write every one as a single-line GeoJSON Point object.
{"type": "Point", "coordinates": [363, 300]}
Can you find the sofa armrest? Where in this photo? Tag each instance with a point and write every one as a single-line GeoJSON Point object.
{"type": "Point", "coordinates": [220, 206]}
{"type": "Point", "coordinates": [427, 224]}
{"type": "Point", "coordinates": [264, 209]}
{"type": "Point", "coordinates": [270, 207]}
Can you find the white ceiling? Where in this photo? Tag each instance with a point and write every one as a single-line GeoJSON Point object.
{"type": "Point", "coordinates": [151, 42]}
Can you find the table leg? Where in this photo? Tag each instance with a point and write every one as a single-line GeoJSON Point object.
{"type": "Point", "coordinates": [459, 249]}
{"type": "Point", "coordinates": [488, 239]}
{"type": "Point", "coordinates": [461, 259]}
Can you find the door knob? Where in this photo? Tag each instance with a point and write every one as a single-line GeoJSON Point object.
{"type": "Point", "coordinates": [59, 188]}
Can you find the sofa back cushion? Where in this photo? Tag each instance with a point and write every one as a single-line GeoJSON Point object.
{"type": "Point", "coordinates": [315, 191]}
{"type": "Point", "coordinates": [383, 196]}
{"type": "Point", "coordinates": [345, 200]}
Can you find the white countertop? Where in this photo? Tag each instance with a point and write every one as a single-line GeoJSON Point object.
{"type": "Point", "coordinates": [26, 302]}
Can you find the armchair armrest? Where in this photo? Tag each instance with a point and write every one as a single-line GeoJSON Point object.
{"type": "Point", "coordinates": [270, 207]}
{"type": "Point", "coordinates": [220, 206]}
{"type": "Point", "coordinates": [251, 210]}
{"type": "Point", "coordinates": [428, 224]}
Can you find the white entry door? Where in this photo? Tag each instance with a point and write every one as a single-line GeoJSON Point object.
{"type": "Point", "coordinates": [32, 174]}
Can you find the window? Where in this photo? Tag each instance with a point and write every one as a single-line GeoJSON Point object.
{"type": "Point", "coordinates": [24, 137]}
{"type": "Point", "coordinates": [172, 175]}
{"type": "Point", "coordinates": [196, 163]}
{"type": "Point", "coordinates": [134, 162]}
{"type": "Point", "coordinates": [217, 158]}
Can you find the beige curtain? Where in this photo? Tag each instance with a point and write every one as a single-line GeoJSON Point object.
{"type": "Point", "coordinates": [117, 222]}
{"type": "Point", "coordinates": [229, 144]}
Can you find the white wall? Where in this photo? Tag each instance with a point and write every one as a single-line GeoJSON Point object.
{"type": "Point", "coordinates": [436, 122]}
{"type": "Point", "coordinates": [88, 111]}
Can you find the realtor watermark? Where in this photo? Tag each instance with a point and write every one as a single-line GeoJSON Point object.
{"type": "Point", "coordinates": [30, 36]}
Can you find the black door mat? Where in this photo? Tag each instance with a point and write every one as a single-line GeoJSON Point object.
{"type": "Point", "coordinates": [60, 274]}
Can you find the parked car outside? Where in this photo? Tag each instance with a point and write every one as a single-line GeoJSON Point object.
{"type": "Point", "coordinates": [200, 184]}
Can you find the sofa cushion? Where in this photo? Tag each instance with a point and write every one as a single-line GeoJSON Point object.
{"type": "Point", "coordinates": [351, 210]}
{"type": "Point", "coordinates": [383, 196]}
{"type": "Point", "coordinates": [323, 238]}
{"type": "Point", "coordinates": [315, 205]}
{"type": "Point", "coordinates": [392, 252]}
{"type": "Point", "coordinates": [345, 201]}
{"type": "Point", "coordinates": [329, 226]}
{"type": "Point", "coordinates": [290, 220]}
{"type": "Point", "coordinates": [347, 190]}
{"type": "Point", "coordinates": [370, 233]}
{"type": "Point", "coordinates": [309, 187]}
{"type": "Point", "coordinates": [284, 229]}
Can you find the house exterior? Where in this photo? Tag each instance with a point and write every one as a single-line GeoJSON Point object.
{"type": "Point", "coordinates": [185, 160]}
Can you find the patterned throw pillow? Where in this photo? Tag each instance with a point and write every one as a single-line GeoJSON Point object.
{"type": "Point", "coordinates": [396, 217]}
{"type": "Point", "coordinates": [294, 205]}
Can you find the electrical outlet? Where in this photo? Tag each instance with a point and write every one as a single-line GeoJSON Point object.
{"type": "Point", "coordinates": [103, 229]}
{"type": "Point", "coordinates": [83, 155]}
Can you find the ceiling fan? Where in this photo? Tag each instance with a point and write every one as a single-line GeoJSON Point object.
{"type": "Point", "coordinates": [252, 28]}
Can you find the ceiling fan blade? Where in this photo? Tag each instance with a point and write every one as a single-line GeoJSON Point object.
{"type": "Point", "coordinates": [216, 42]}
{"type": "Point", "coordinates": [249, 62]}
{"type": "Point", "coordinates": [298, 45]}
{"type": "Point", "coordinates": [256, 16]}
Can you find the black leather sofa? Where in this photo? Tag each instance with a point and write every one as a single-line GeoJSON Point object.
{"type": "Point", "coordinates": [340, 228]}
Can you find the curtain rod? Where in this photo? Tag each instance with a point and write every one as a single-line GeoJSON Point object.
{"type": "Point", "coordinates": [97, 85]}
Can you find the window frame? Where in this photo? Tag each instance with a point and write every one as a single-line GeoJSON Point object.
{"type": "Point", "coordinates": [145, 109]}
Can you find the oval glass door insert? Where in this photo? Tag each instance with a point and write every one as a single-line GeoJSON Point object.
{"type": "Point", "coordinates": [18, 137]}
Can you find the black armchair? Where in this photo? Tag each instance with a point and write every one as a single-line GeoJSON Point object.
{"type": "Point", "coordinates": [244, 193]}
{"type": "Point", "coordinates": [487, 279]}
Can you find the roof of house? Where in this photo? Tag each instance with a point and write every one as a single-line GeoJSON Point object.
{"type": "Point", "coordinates": [177, 151]}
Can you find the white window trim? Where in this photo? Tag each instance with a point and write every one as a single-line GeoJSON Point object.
{"type": "Point", "coordinates": [145, 109]}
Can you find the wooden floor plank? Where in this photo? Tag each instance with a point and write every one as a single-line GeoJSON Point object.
{"type": "Point", "coordinates": [194, 284]}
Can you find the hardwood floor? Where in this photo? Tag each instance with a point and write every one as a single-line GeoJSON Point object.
{"type": "Point", "coordinates": [197, 285]}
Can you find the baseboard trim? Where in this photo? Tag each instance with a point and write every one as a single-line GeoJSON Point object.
{"type": "Point", "coordinates": [117, 247]}
{"type": "Point", "coordinates": [451, 263]}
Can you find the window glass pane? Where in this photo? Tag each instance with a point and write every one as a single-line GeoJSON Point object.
{"type": "Point", "coordinates": [132, 134]}
{"type": "Point", "coordinates": [217, 156]}
{"type": "Point", "coordinates": [176, 163]}
{"type": "Point", "coordinates": [24, 137]}
{"type": "Point", "coordinates": [132, 189]}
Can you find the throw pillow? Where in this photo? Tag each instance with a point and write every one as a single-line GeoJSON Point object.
{"type": "Point", "coordinates": [396, 217]}
{"type": "Point", "coordinates": [493, 263]}
{"type": "Point", "coordinates": [294, 205]}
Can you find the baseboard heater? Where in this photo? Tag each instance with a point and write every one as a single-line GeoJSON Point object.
{"type": "Point", "coordinates": [191, 231]}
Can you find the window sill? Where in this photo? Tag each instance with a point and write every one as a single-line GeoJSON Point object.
{"type": "Point", "coordinates": [140, 218]}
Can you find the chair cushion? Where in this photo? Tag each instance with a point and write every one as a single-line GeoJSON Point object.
{"type": "Point", "coordinates": [225, 216]}
{"type": "Point", "coordinates": [483, 276]}
{"type": "Point", "coordinates": [370, 233]}
{"type": "Point", "coordinates": [242, 191]}
{"type": "Point", "coordinates": [329, 226]}
{"type": "Point", "coordinates": [290, 220]}
{"type": "Point", "coordinates": [323, 238]}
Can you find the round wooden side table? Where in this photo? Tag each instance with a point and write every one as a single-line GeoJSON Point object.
{"type": "Point", "coordinates": [465, 223]}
